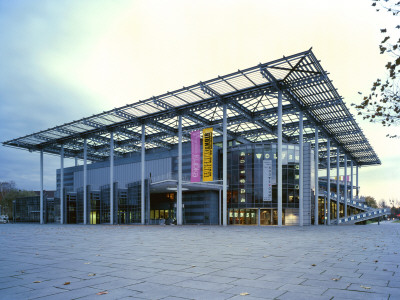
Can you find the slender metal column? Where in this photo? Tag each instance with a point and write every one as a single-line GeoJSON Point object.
{"type": "Point", "coordinates": [301, 166]}
{"type": "Point", "coordinates": [224, 167]}
{"type": "Point", "coordinates": [219, 207]}
{"type": "Point", "coordinates": [345, 185]}
{"type": "Point", "coordinates": [76, 161]}
{"type": "Point", "coordinates": [112, 178]}
{"type": "Point", "coordinates": [41, 187]}
{"type": "Point", "coordinates": [280, 158]}
{"type": "Point", "coordinates": [142, 173]}
{"type": "Point", "coordinates": [62, 186]}
{"type": "Point", "coordinates": [337, 185]}
{"type": "Point", "coordinates": [316, 159]}
{"type": "Point", "coordinates": [328, 175]}
{"type": "Point", "coordinates": [357, 186]}
{"type": "Point", "coordinates": [351, 180]}
{"type": "Point", "coordinates": [179, 202]}
{"type": "Point", "coordinates": [85, 181]}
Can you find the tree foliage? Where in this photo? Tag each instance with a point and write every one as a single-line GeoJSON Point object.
{"type": "Point", "coordinates": [382, 105]}
{"type": "Point", "coordinates": [371, 202]}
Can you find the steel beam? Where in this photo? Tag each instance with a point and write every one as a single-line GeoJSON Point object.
{"type": "Point", "coordinates": [142, 167]}
{"type": "Point", "coordinates": [41, 187]}
{"type": "Point", "coordinates": [224, 167]}
{"type": "Point", "coordinates": [328, 175]}
{"type": "Point", "coordinates": [280, 158]}
{"type": "Point", "coordinates": [357, 186]}
{"type": "Point", "coordinates": [316, 158]}
{"type": "Point", "coordinates": [62, 185]}
{"type": "Point", "coordinates": [351, 180]}
{"type": "Point", "coordinates": [345, 186]}
{"type": "Point", "coordinates": [337, 185]}
{"type": "Point", "coordinates": [111, 178]}
{"type": "Point", "coordinates": [179, 190]}
{"type": "Point", "coordinates": [85, 182]}
{"type": "Point", "coordinates": [301, 169]}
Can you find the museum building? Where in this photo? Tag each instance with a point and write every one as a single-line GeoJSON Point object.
{"type": "Point", "coordinates": [254, 147]}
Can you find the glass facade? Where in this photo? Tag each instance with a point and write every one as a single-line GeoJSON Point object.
{"type": "Point", "coordinates": [246, 192]}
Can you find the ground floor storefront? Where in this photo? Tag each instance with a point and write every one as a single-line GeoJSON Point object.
{"type": "Point", "coordinates": [254, 216]}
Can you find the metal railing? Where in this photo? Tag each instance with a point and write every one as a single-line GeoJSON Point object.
{"type": "Point", "coordinates": [363, 216]}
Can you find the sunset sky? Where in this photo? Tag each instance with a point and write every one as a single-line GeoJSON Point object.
{"type": "Point", "coordinates": [64, 60]}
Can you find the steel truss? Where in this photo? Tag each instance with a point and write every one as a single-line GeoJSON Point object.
{"type": "Point", "coordinates": [251, 96]}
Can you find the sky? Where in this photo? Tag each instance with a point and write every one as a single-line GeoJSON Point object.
{"type": "Point", "coordinates": [65, 60]}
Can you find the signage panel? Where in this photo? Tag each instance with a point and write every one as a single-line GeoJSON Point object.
{"type": "Point", "coordinates": [267, 180]}
{"type": "Point", "coordinates": [195, 163]}
{"type": "Point", "coordinates": [207, 154]}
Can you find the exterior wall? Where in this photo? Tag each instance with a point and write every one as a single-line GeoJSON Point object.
{"type": "Point", "coordinates": [291, 216]}
{"type": "Point", "coordinates": [161, 164]}
{"type": "Point", "coordinates": [27, 209]}
{"type": "Point", "coordinates": [123, 173]}
{"type": "Point", "coordinates": [202, 207]}
{"type": "Point", "coordinates": [307, 195]}
{"type": "Point", "coordinates": [245, 180]}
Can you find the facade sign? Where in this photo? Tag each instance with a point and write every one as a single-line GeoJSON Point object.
{"type": "Point", "coordinates": [195, 167]}
{"type": "Point", "coordinates": [267, 180]}
{"type": "Point", "coordinates": [207, 154]}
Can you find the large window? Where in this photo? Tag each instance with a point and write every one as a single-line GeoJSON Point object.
{"type": "Point", "coordinates": [245, 175]}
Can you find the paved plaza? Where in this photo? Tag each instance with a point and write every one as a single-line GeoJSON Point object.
{"type": "Point", "coordinates": [199, 262]}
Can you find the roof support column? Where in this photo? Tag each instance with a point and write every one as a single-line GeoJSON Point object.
{"type": "Point", "coordinates": [62, 186]}
{"type": "Point", "coordinates": [351, 180]}
{"type": "Point", "coordinates": [219, 207]}
{"type": "Point", "coordinates": [345, 186]}
{"type": "Point", "coordinates": [112, 178]}
{"type": "Point", "coordinates": [142, 166]}
{"type": "Point", "coordinates": [85, 181]}
{"type": "Point", "coordinates": [337, 185]}
{"type": "Point", "coordinates": [41, 187]}
{"type": "Point", "coordinates": [279, 158]}
{"type": "Point", "coordinates": [224, 166]}
{"type": "Point", "coordinates": [328, 176]}
{"type": "Point", "coordinates": [316, 162]}
{"type": "Point", "coordinates": [357, 186]}
{"type": "Point", "coordinates": [179, 198]}
{"type": "Point", "coordinates": [76, 161]}
{"type": "Point", "coordinates": [301, 165]}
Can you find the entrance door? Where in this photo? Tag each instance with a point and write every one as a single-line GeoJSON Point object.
{"type": "Point", "coordinates": [122, 217]}
{"type": "Point", "coordinates": [71, 212]}
{"type": "Point", "coordinates": [265, 217]}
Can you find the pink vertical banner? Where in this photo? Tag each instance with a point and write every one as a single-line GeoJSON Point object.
{"type": "Point", "coordinates": [196, 164]}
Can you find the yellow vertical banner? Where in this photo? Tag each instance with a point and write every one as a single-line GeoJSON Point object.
{"type": "Point", "coordinates": [207, 154]}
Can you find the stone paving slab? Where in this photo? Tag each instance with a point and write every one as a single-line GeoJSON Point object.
{"type": "Point", "coordinates": [199, 262]}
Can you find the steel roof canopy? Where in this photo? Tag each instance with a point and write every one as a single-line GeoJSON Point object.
{"type": "Point", "coordinates": [251, 96]}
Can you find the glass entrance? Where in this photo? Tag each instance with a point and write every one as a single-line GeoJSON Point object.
{"type": "Point", "coordinates": [265, 217]}
{"type": "Point", "coordinates": [270, 217]}
{"type": "Point", "coordinates": [71, 209]}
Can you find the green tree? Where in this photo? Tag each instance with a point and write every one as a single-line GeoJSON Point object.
{"type": "Point", "coordinates": [382, 105]}
{"type": "Point", "coordinates": [371, 202]}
